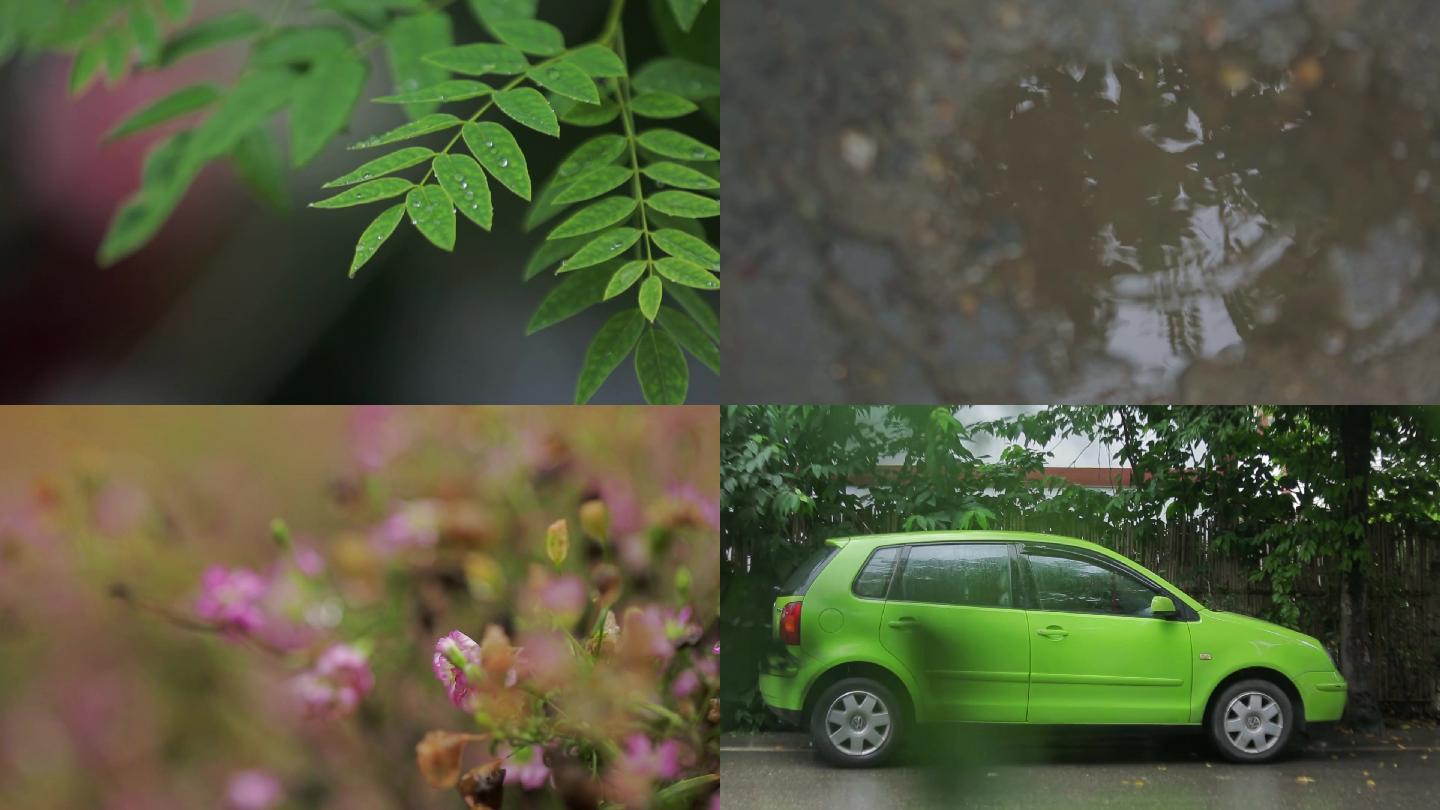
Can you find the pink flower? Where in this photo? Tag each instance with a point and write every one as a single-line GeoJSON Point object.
{"type": "Point", "coordinates": [563, 595]}
{"type": "Point", "coordinates": [378, 435]}
{"type": "Point", "coordinates": [706, 509]}
{"type": "Point", "coordinates": [231, 599]}
{"type": "Point", "coordinates": [526, 766]}
{"type": "Point", "coordinates": [253, 790]}
{"type": "Point", "coordinates": [412, 525]}
{"type": "Point", "coordinates": [685, 683]}
{"type": "Point", "coordinates": [658, 762]}
{"type": "Point", "coordinates": [456, 645]}
{"type": "Point", "coordinates": [633, 776]}
{"type": "Point", "coordinates": [338, 682]}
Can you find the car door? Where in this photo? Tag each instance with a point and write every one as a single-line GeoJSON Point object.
{"type": "Point", "coordinates": [1096, 653]}
{"type": "Point", "coordinates": [954, 620]}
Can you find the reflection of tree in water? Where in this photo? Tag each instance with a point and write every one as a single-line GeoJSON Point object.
{"type": "Point", "coordinates": [1186, 181]}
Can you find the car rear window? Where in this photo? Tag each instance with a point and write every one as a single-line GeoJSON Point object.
{"type": "Point", "coordinates": [961, 574]}
{"type": "Point", "coordinates": [799, 580]}
{"type": "Point", "coordinates": [874, 579]}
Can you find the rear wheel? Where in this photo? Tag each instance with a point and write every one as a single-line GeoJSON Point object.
{"type": "Point", "coordinates": [856, 722]}
{"type": "Point", "coordinates": [1251, 721]}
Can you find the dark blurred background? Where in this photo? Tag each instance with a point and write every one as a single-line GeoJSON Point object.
{"type": "Point", "coordinates": [235, 301]}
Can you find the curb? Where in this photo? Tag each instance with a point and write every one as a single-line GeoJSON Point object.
{"type": "Point", "coordinates": [800, 743]}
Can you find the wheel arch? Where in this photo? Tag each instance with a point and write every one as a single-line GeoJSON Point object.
{"type": "Point", "coordinates": [861, 669]}
{"type": "Point", "coordinates": [1263, 673]}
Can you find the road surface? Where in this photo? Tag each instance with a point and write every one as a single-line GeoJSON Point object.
{"type": "Point", "coordinates": [1078, 769]}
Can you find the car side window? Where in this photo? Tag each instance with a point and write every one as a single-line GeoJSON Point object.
{"type": "Point", "coordinates": [874, 579]}
{"type": "Point", "coordinates": [959, 574]}
{"type": "Point", "coordinates": [1074, 585]}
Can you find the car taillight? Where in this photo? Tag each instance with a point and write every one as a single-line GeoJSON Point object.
{"type": "Point", "coordinates": [790, 623]}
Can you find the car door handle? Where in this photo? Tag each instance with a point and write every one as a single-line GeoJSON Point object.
{"type": "Point", "coordinates": [1052, 632]}
{"type": "Point", "coordinates": [904, 623]}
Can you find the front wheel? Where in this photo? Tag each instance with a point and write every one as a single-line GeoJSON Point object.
{"type": "Point", "coordinates": [1251, 721]}
{"type": "Point", "coordinates": [856, 723]}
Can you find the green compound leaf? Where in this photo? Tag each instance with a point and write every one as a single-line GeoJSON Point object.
{"type": "Point", "coordinates": [690, 337]}
{"type": "Point", "coordinates": [611, 345]}
{"type": "Point", "coordinates": [601, 150]}
{"type": "Point", "coordinates": [686, 11]}
{"type": "Point", "coordinates": [678, 77]}
{"type": "Point", "coordinates": [661, 369]}
{"type": "Point", "coordinates": [602, 248]}
{"type": "Point", "coordinates": [594, 183]}
{"type": "Point", "coordinates": [673, 174]}
{"type": "Point", "coordinates": [527, 106]}
{"type": "Point", "coordinates": [211, 33]}
{"type": "Point", "coordinates": [254, 98]}
{"type": "Point", "coordinates": [672, 144]}
{"type": "Point", "coordinates": [480, 59]}
{"type": "Point", "coordinates": [662, 105]}
{"type": "Point", "coordinates": [381, 166]}
{"type": "Point", "coordinates": [373, 191]}
{"type": "Point", "coordinates": [582, 114]}
{"type": "Point", "coordinates": [598, 151]}
{"type": "Point", "coordinates": [625, 278]}
{"type": "Point", "coordinates": [597, 61]}
{"type": "Point", "coordinates": [530, 36]}
{"type": "Point", "coordinates": [167, 174]}
{"type": "Point", "coordinates": [426, 125]}
{"type": "Point", "coordinates": [407, 42]}
{"type": "Point", "coordinates": [550, 253]}
{"type": "Point", "coordinates": [300, 46]}
{"type": "Point", "coordinates": [257, 160]}
{"type": "Point", "coordinates": [575, 294]}
{"type": "Point", "coordinates": [603, 214]}
{"type": "Point", "coordinates": [697, 308]}
{"type": "Point", "coordinates": [463, 180]}
{"type": "Point", "coordinates": [324, 99]}
{"type": "Point", "coordinates": [88, 62]}
{"type": "Point", "coordinates": [493, 11]}
{"type": "Point", "coordinates": [375, 236]}
{"type": "Point", "coordinates": [146, 31]}
{"type": "Point", "coordinates": [684, 246]}
{"type": "Point", "coordinates": [433, 215]}
{"type": "Point", "coordinates": [497, 150]}
{"type": "Point", "coordinates": [440, 93]}
{"type": "Point", "coordinates": [683, 272]}
{"type": "Point", "coordinates": [684, 204]}
{"type": "Point", "coordinates": [181, 102]}
{"type": "Point", "coordinates": [567, 80]}
{"type": "Point", "coordinates": [651, 293]}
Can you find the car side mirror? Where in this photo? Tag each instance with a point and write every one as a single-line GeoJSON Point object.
{"type": "Point", "coordinates": [1163, 607]}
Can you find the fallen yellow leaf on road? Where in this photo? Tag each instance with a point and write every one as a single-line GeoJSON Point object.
{"type": "Point", "coordinates": [1370, 783]}
{"type": "Point", "coordinates": [1303, 780]}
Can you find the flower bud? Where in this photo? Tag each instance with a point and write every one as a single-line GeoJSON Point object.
{"type": "Point", "coordinates": [557, 541]}
{"type": "Point", "coordinates": [595, 520]}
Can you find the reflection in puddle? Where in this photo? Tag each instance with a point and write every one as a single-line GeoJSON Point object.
{"type": "Point", "coordinates": [1199, 205]}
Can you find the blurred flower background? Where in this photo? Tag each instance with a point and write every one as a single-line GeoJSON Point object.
{"type": "Point", "coordinates": [271, 608]}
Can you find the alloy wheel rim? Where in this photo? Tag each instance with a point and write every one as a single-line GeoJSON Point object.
{"type": "Point", "coordinates": [1253, 722]}
{"type": "Point", "coordinates": [857, 723]}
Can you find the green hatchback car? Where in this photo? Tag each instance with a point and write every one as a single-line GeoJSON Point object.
{"type": "Point", "coordinates": [878, 633]}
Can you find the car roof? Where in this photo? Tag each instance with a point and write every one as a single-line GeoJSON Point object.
{"type": "Point", "coordinates": [970, 536]}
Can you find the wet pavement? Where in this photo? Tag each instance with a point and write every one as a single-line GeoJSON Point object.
{"type": "Point", "coordinates": [1080, 769]}
{"type": "Point", "coordinates": [1121, 200]}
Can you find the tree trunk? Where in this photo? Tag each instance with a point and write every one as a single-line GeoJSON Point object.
{"type": "Point", "coordinates": [1357, 660]}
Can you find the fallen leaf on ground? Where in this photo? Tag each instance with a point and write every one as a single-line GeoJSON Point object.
{"type": "Point", "coordinates": [1303, 780]}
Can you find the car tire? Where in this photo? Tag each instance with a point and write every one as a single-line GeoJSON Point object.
{"type": "Point", "coordinates": [856, 723]}
{"type": "Point", "coordinates": [1251, 721]}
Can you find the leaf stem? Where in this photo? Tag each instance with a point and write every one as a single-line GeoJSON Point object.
{"type": "Point", "coordinates": [627, 118]}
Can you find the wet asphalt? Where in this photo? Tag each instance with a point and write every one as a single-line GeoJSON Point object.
{"type": "Point", "coordinates": [1079, 769]}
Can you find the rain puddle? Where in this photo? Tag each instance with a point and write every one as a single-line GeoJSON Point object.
{"type": "Point", "coordinates": [1203, 205]}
